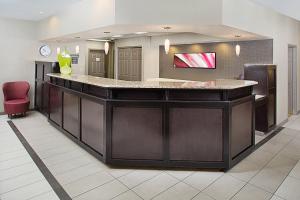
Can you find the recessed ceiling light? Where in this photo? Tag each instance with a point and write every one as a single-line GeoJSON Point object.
{"type": "Point", "coordinates": [117, 36]}
{"type": "Point", "coordinates": [140, 33]}
{"type": "Point", "coordinates": [167, 27]}
{"type": "Point", "coordinates": [41, 12]}
{"type": "Point", "coordinates": [98, 40]}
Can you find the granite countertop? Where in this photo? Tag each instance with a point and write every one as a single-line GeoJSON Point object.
{"type": "Point", "coordinates": [225, 84]}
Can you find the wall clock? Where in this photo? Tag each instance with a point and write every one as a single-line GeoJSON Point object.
{"type": "Point", "coordinates": [45, 50]}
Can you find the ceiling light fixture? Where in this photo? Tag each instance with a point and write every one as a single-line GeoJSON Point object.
{"type": "Point", "coordinates": [77, 49]}
{"type": "Point", "coordinates": [98, 40]}
{"type": "Point", "coordinates": [140, 33]}
{"type": "Point", "coordinates": [58, 50]}
{"type": "Point", "coordinates": [106, 47]}
{"type": "Point", "coordinates": [237, 47]}
{"type": "Point", "coordinates": [41, 12]}
{"type": "Point", "coordinates": [167, 41]}
{"type": "Point", "coordinates": [117, 36]}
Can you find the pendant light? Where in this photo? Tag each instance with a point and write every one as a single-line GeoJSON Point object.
{"type": "Point", "coordinates": [167, 41]}
{"type": "Point", "coordinates": [237, 47]}
{"type": "Point", "coordinates": [77, 49]}
{"type": "Point", "coordinates": [167, 46]}
{"type": "Point", "coordinates": [106, 47]}
{"type": "Point", "coordinates": [58, 50]}
{"type": "Point", "coordinates": [237, 50]}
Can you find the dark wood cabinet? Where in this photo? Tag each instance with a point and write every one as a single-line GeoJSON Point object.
{"type": "Point", "coordinates": [265, 91]}
{"type": "Point", "coordinates": [92, 124]}
{"type": "Point", "coordinates": [41, 94]}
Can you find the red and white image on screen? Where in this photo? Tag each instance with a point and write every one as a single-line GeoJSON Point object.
{"type": "Point", "coordinates": [195, 60]}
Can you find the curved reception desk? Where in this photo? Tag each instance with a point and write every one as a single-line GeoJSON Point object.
{"type": "Point", "coordinates": [156, 123]}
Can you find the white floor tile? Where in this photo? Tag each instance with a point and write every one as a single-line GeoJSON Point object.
{"type": "Point", "coordinates": [282, 164]}
{"type": "Point", "coordinates": [15, 162]}
{"type": "Point", "coordinates": [289, 189]}
{"type": "Point", "coordinates": [115, 172]}
{"type": "Point", "coordinates": [104, 192]}
{"type": "Point", "coordinates": [202, 196]}
{"type": "Point", "coordinates": [274, 197]}
{"type": "Point", "coordinates": [17, 171]}
{"type": "Point", "coordinates": [84, 177]}
{"type": "Point", "coordinates": [46, 196]}
{"type": "Point", "coordinates": [13, 155]}
{"type": "Point", "coordinates": [19, 181]}
{"type": "Point", "coordinates": [153, 187]}
{"type": "Point", "coordinates": [78, 173]}
{"type": "Point", "coordinates": [28, 191]}
{"type": "Point", "coordinates": [268, 179]}
{"type": "Point", "coordinates": [70, 165]}
{"type": "Point", "coordinates": [137, 177]}
{"type": "Point", "coordinates": [250, 192]}
{"type": "Point", "coordinates": [87, 183]}
{"type": "Point", "coordinates": [180, 191]}
{"type": "Point", "coordinates": [181, 175]}
{"type": "Point", "coordinates": [224, 188]}
{"type": "Point", "coordinates": [245, 170]}
{"type": "Point", "coordinates": [129, 195]}
{"type": "Point", "coordinates": [201, 180]}
{"type": "Point", "coordinates": [260, 157]}
{"type": "Point", "coordinates": [296, 171]}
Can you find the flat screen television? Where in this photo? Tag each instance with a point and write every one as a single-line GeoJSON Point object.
{"type": "Point", "coordinates": [195, 60]}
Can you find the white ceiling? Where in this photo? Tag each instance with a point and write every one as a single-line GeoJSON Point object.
{"type": "Point", "coordinates": [218, 33]}
{"type": "Point", "coordinates": [32, 9]}
{"type": "Point", "coordinates": [286, 7]}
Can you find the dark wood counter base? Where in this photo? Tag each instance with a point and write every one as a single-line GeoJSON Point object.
{"type": "Point", "coordinates": [190, 128]}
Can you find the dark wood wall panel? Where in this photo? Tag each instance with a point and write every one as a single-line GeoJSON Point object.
{"type": "Point", "coordinates": [241, 127]}
{"type": "Point", "coordinates": [45, 101]}
{"type": "Point", "coordinates": [55, 105]}
{"type": "Point", "coordinates": [92, 129]}
{"type": "Point", "coordinates": [71, 114]}
{"type": "Point", "coordinates": [196, 134]}
{"type": "Point", "coordinates": [137, 133]}
{"type": "Point", "coordinates": [38, 98]}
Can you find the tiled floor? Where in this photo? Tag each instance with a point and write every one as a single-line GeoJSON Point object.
{"type": "Point", "coordinates": [20, 178]}
{"type": "Point", "coordinates": [271, 172]}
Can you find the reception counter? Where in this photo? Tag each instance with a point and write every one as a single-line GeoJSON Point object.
{"type": "Point", "coordinates": [156, 123]}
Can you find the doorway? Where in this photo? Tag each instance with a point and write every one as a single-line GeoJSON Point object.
{"type": "Point", "coordinates": [292, 82]}
{"type": "Point", "coordinates": [130, 63]}
{"type": "Point", "coordinates": [96, 63]}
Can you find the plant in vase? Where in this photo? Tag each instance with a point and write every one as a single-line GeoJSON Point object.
{"type": "Point", "coordinates": [64, 60]}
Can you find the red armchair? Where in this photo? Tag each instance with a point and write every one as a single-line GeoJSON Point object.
{"type": "Point", "coordinates": [16, 100]}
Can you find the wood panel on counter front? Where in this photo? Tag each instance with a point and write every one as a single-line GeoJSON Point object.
{"type": "Point", "coordinates": [156, 127]}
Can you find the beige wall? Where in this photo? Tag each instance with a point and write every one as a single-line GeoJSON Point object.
{"type": "Point", "coordinates": [82, 66]}
{"type": "Point", "coordinates": [78, 17]}
{"type": "Point", "coordinates": [17, 53]}
{"type": "Point", "coordinates": [150, 49]}
{"type": "Point", "coordinates": [249, 16]}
